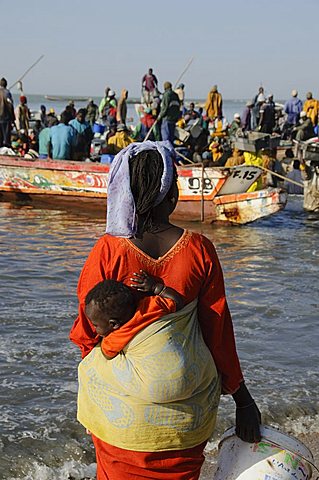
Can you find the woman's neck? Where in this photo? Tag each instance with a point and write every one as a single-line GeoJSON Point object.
{"type": "Point", "coordinates": [160, 240]}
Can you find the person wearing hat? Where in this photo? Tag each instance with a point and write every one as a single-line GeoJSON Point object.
{"type": "Point", "coordinates": [235, 125]}
{"type": "Point", "coordinates": [119, 140]}
{"type": "Point", "coordinates": [304, 130]}
{"type": "Point", "coordinates": [311, 107]}
{"type": "Point", "coordinates": [292, 108]}
{"type": "Point", "coordinates": [169, 113]}
{"type": "Point", "coordinates": [110, 110]}
{"type": "Point", "coordinates": [52, 115]}
{"type": "Point", "coordinates": [22, 114]}
{"type": "Point", "coordinates": [112, 99]}
{"type": "Point", "coordinates": [246, 116]}
{"type": "Point", "coordinates": [214, 104]}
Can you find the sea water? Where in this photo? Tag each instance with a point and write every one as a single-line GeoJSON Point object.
{"type": "Point", "coordinates": [230, 107]}
{"type": "Point", "coordinates": [271, 276]}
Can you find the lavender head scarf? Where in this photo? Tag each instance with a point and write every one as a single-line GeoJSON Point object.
{"type": "Point", "coordinates": [121, 220]}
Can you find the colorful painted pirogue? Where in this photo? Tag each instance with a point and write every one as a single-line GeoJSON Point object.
{"type": "Point", "coordinates": [210, 194]}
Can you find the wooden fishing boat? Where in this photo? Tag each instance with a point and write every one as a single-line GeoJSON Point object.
{"type": "Point", "coordinates": [64, 98]}
{"type": "Point", "coordinates": [210, 194]}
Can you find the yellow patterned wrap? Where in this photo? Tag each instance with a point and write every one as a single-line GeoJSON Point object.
{"type": "Point", "coordinates": [160, 393]}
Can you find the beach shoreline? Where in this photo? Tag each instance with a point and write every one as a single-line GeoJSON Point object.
{"type": "Point", "coordinates": [310, 440]}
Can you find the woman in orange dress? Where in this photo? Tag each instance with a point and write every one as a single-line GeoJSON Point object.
{"type": "Point", "coordinates": [142, 194]}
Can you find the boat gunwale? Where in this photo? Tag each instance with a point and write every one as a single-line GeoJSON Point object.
{"type": "Point", "coordinates": [94, 167]}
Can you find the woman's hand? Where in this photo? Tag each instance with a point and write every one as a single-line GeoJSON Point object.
{"type": "Point", "coordinates": [143, 282]}
{"type": "Point", "coordinates": [248, 419]}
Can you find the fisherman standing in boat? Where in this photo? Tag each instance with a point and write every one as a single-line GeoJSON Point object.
{"type": "Point", "coordinates": [260, 97]}
{"type": "Point", "coordinates": [92, 112]}
{"type": "Point", "coordinates": [247, 116]}
{"type": "Point", "coordinates": [267, 118]}
{"type": "Point", "coordinates": [4, 86]}
{"type": "Point", "coordinates": [6, 118]}
{"type": "Point", "coordinates": [311, 107]}
{"type": "Point", "coordinates": [169, 113]}
{"type": "Point", "coordinates": [259, 101]}
{"type": "Point", "coordinates": [104, 101]}
{"type": "Point", "coordinates": [180, 90]}
{"type": "Point", "coordinates": [293, 108]}
{"type": "Point", "coordinates": [149, 86]}
{"type": "Point", "coordinates": [214, 104]}
{"type": "Point", "coordinates": [43, 116]}
{"type": "Point", "coordinates": [22, 114]}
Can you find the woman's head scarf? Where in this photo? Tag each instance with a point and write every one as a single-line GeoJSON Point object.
{"type": "Point", "coordinates": [121, 218]}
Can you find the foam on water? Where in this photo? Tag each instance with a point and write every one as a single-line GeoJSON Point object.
{"type": "Point", "coordinates": [69, 470]}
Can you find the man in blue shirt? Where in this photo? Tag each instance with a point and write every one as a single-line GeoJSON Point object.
{"type": "Point", "coordinates": [83, 135]}
{"type": "Point", "coordinates": [293, 107]}
{"type": "Point", "coordinates": [45, 138]}
{"type": "Point", "coordinates": [62, 140]}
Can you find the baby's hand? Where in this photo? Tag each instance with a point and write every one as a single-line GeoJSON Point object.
{"type": "Point", "coordinates": [143, 282]}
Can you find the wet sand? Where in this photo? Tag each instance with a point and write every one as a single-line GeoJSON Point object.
{"type": "Point", "coordinates": [310, 440]}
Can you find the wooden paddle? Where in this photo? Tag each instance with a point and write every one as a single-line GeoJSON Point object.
{"type": "Point", "coordinates": [26, 72]}
{"type": "Point", "coordinates": [187, 159]}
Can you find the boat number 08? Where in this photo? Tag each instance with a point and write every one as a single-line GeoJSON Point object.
{"type": "Point", "coordinates": [194, 183]}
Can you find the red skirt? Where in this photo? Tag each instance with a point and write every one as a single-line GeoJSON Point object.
{"type": "Point", "coordinates": [115, 463]}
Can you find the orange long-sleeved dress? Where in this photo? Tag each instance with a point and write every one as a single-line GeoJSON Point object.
{"type": "Point", "coordinates": [192, 268]}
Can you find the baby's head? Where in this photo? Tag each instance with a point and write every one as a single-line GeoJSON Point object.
{"type": "Point", "coordinates": [109, 305]}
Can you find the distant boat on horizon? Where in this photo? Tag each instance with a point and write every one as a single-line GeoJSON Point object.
{"type": "Point", "coordinates": [69, 98]}
{"type": "Point", "coordinates": [65, 98]}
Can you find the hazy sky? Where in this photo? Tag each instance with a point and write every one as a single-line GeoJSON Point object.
{"type": "Point", "coordinates": [236, 44]}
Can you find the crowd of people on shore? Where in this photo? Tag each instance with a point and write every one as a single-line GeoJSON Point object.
{"type": "Point", "coordinates": [200, 133]}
